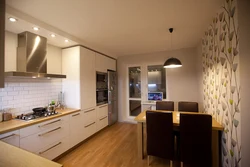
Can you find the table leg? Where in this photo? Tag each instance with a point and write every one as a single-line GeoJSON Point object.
{"type": "Point", "coordinates": [140, 144]}
{"type": "Point", "coordinates": [215, 148]}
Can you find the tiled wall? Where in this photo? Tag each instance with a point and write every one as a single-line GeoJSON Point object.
{"type": "Point", "coordinates": [24, 94]}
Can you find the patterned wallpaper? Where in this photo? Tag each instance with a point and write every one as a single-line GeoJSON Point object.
{"type": "Point", "coordinates": [220, 52]}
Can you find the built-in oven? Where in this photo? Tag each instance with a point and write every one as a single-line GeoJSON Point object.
{"type": "Point", "coordinates": [101, 96]}
{"type": "Point", "coordinates": [101, 88]}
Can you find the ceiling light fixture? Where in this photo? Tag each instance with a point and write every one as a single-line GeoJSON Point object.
{"type": "Point", "coordinates": [12, 19]}
{"type": "Point", "coordinates": [66, 40]}
{"type": "Point", "coordinates": [53, 35]}
{"type": "Point", "coordinates": [35, 28]}
{"type": "Point", "coordinates": [172, 62]}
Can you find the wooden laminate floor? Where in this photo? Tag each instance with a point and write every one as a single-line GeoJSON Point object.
{"type": "Point", "coordinates": [115, 146]}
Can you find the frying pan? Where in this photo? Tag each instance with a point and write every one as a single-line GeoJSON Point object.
{"type": "Point", "coordinates": [39, 110]}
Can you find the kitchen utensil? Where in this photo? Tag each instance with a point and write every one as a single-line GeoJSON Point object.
{"type": "Point", "coordinates": [7, 116]}
{"type": "Point", "coordinates": [39, 110]}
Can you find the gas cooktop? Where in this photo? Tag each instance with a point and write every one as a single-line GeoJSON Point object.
{"type": "Point", "coordinates": [34, 115]}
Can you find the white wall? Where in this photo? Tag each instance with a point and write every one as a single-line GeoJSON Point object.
{"type": "Point", "coordinates": [244, 25]}
{"type": "Point", "coordinates": [10, 51]}
{"type": "Point", "coordinates": [54, 60]}
{"type": "Point", "coordinates": [181, 82]}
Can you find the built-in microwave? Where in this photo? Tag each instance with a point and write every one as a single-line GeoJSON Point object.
{"type": "Point", "coordinates": [101, 81]}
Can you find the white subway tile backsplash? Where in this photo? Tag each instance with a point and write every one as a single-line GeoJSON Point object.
{"type": "Point", "coordinates": [13, 93]}
{"type": "Point", "coordinates": [25, 94]}
{"type": "Point", "coordinates": [7, 98]}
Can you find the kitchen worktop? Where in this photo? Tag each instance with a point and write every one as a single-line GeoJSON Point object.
{"type": "Point", "coordinates": [15, 124]}
{"type": "Point", "coordinates": [12, 156]}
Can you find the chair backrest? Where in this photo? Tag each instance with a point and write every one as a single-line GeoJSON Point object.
{"type": "Point", "coordinates": [196, 139]}
{"type": "Point", "coordinates": [165, 105]}
{"type": "Point", "coordinates": [160, 139]}
{"type": "Point", "coordinates": [188, 106]}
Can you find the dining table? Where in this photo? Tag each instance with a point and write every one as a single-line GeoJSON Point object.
{"type": "Point", "coordinates": [217, 129]}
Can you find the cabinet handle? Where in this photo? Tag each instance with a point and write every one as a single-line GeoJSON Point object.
{"type": "Point", "coordinates": [75, 114]}
{"type": "Point", "coordinates": [49, 131]}
{"type": "Point", "coordinates": [89, 110]}
{"type": "Point", "coordinates": [103, 106]}
{"type": "Point", "coordinates": [49, 123]}
{"type": "Point", "coordinates": [103, 118]}
{"type": "Point", "coordinates": [50, 148]}
{"type": "Point", "coordinates": [7, 136]}
{"type": "Point", "coordinates": [89, 125]}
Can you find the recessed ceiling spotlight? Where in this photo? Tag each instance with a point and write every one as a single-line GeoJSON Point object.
{"type": "Point", "coordinates": [35, 28]}
{"type": "Point", "coordinates": [12, 19]}
{"type": "Point", "coordinates": [66, 40]}
{"type": "Point", "coordinates": [53, 35]}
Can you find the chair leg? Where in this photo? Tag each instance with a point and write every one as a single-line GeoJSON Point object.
{"type": "Point", "coordinates": [148, 160]}
{"type": "Point", "coordinates": [181, 164]}
{"type": "Point", "coordinates": [171, 163]}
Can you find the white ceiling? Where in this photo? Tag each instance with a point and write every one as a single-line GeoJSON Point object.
{"type": "Point", "coordinates": [126, 27]}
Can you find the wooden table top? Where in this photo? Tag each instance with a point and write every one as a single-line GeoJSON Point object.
{"type": "Point", "coordinates": [176, 118]}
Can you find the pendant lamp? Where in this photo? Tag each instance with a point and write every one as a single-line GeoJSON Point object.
{"type": "Point", "coordinates": [172, 62]}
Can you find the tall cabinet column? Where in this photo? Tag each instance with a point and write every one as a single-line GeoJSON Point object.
{"type": "Point", "coordinates": [2, 39]}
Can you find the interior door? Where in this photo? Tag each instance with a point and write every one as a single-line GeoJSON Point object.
{"type": "Point", "coordinates": [134, 85]}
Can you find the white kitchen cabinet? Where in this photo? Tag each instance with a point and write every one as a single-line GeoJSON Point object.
{"type": "Point", "coordinates": [102, 117]}
{"type": "Point", "coordinates": [37, 137]}
{"type": "Point", "coordinates": [11, 138]}
{"type": "Point", "coordinates": [76, 128]}
{"type": "Point", "coordinates": [55, 149]}
{"type": "Point", "coordinates": [89, 129]}
{"type": "Point", "coordinates": [79, 87]}
{"type": "Point", "coordinates": [104, 63]}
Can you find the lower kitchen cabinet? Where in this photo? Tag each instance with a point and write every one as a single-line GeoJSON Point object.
{"type": "Point", "coordinates": [11, 138]}
{"type": "Point", "coordinates": [76, 128]}
{"type": "Point", "coordinates": [55, 149]}
{"type": "Point", "coordinates": [102, 117]}
{"type": "Point", "coordinates": [89, 129]}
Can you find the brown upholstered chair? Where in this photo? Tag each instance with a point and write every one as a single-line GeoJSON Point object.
{"type": "Point", "coordinates": [165, 105]}
{"type": "Point", "coordinates": [160, 139]}
{"type": "Point", "coordinates": [196, 140]}
{"type": "Point", "coordinates": [188, 106]}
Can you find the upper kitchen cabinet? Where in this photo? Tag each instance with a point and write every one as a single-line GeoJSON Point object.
{"type": "Point", "coordinates": [104, 63]}
{"type": "Point", "coordinates": [79, 87]}
{"type": "Point", "coordinates": [2, 34]}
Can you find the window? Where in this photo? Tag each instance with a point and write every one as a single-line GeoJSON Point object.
{"type": "Point", "coordinates": [134, 90]}
{"type": "Point", "coordinates": [157, 79]}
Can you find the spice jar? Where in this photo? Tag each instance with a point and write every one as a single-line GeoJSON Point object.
{"type": "Point", "coordinates": [7, 115]}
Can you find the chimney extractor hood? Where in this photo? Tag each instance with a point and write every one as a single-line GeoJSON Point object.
{"type": "Point", "coordinates": [31, 57]}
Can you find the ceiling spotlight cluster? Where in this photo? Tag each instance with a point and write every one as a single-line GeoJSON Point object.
{"type": "Point", "coordinates": [12, 19]}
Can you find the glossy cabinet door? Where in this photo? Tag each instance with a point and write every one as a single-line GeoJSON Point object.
{"type": "Point", "coordinates": [11, 138]}
{"type": "Point", "coordinates": [71, 85]}
{"type": "Point", "coordinates": [79, 87]}
{"type": "Point", "coordinates": [104, 63]}
{"type": "Point", "coordinates": [76, 128]}
{"type": "Point", "coordinates": [2, 39]}
{"type": "Point", "coordinates": [102, 117]}
{"type": "Point", "coordinates": [87, 78]}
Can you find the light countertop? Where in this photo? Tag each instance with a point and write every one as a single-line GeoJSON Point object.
{"type": "Point", "coordinates": [12, 156]}
{"type": "Point", "coordinates": [15, 124]}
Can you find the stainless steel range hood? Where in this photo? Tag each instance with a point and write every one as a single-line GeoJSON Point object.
{"type": "Point", "coordinates": [31, 57]}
